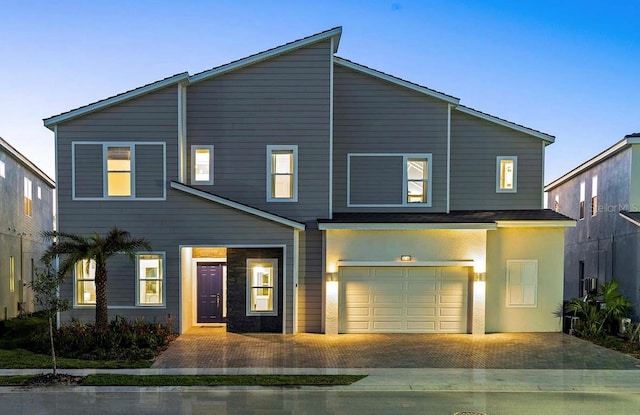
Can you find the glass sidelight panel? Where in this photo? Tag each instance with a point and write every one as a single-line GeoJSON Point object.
{"type": "Point", "coordinates": [261, 284]}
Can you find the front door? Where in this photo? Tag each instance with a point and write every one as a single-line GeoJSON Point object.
{"type": "Point", "coordinates": [209, 292]}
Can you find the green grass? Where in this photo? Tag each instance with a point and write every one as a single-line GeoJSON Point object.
{"type": "Point", "coordinates": [201, 380]}
{"type": "Point", "coordinates": [24, 359]}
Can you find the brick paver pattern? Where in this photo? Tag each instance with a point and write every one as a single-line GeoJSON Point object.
{"type": "Point", "coordinates": [215, 348]}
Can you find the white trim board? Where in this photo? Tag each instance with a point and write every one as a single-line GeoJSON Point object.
{"type": "Point", "coordinates": [453, 263]}
{"type": "Point", "coordinates": [238, 206]}
{"type": "Point", "coordinates": [404, 226]}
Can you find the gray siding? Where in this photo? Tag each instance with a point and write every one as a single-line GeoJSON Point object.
{"type": "Point", "coordinates": [375, 116]}
{"type": "Point", "coordinates": [475, 144]}
{"type": "Point", "coordinates": [88, 170]}
{"type": "Point", "coordinates": [310, 281]}
{"type": "Point", "coordinates": [149, 171]}
{"type": "Point", "coordinates": [376, 180]}
{"type": "Point", "coordinates": [20, 234]}
{"type": "Point", "coordinates": [281, 101]}
{"type": "Point", "coordinates": [181, 220]}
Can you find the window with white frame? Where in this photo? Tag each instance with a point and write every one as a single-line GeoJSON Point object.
{"type": "Point", "coordinates": [594, 196]}
{"type": "Point", "coordinates": [506, 174]}
{"type": "Point", "coordinates": [119, 170]}
{"type": "Point", "coordinates": [582, 196]}
{"type": "Point", "coordinates": [522, 283]}
{"type": "Point", "coordinates": [2, 169]}
{"type": "Point", "coordinates": [201, 164]}
{"type": "Point", "coordinates": [282, 173]}
{"type": "Point", "coordinates": [28, 197]}
{"type": "Point", "coordinates": [85, 275]}
{"type": "Point", "coordinates": [150, 276]}
{"type": "Point", "coordinates": [417, 180]}
{"type": "Point", "coordinates": [39, 192]}
{"type": "Point", "coordinates": [262, 277]}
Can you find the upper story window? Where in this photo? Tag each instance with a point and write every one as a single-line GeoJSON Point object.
{"type": "Point", "coordinates": [582, 196]}
{"type": "Point", "coordinates": [594, 196]}
{"type": "Point", "coordinates": [2, 169]}
{"type": "Point", "coordinates": [118, 171]}
{"type": "Point", "coordinates": [201, 164]}
{"type": "Point", "coordinates": [39, 192]}
{"type": "Point", "coordinates": [85, 274]}
{"type": "Point", "coordinates": [262, 286]}
{"type": "Point", "coordinates": [506, 174]}
{"type": "Point", "coordinates": [119, 168]}
{"type": "Point", "coordinates": [417, 189]}
{"type": "Point", "coordinates": [150, 272]}
{"type": "Point", "coordinates": [556, 203]}
{"type": "Point", "coordinates": [282, 173]}
{"type": "Point", "coordinates": [28, 197]}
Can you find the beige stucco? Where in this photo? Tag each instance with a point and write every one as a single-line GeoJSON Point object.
{"type": "Point", "coordinates": [388, 246]}
{"type": "Point", "coordinates": [489, 249]}
{"type": "Point", "coordinates": [543, 244]}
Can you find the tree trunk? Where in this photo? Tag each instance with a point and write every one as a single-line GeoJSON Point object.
{"type": "Point", "coordinates": [102, 313]}
{"type": "Point", "coordinates": [53, 350]}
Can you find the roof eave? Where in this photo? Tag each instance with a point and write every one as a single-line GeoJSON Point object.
{"type": "Point", "coordinates": [259, 57]}
{"type": "Point", "coordinates": [327, 226]}
{"type": "Point", "coordinates": [52, 121]}
{"type": "Point", "coordinates": [536, 223]}
{"type": "Point", "coordinates": [398, 81]}
{"type": "Point", "coordinates": [549, 139]}
{"type": "Point", "coordinates": [27, 163]}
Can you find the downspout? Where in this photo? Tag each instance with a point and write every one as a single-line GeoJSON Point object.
{"type": "Point", "coordinates": [449, 106]}
{"type": "Point", "coordinates": [331, 130]}
{"type": "Point", "coordinates": [182, 133]}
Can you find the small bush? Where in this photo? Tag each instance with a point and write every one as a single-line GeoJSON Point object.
{"type": "Point", "coordinates": [16, 332]}
{"type": "Point", "coordinates": [123, 340]}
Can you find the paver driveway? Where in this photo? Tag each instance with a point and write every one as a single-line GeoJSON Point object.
{"type": "Point", "coordinates": [215, 348]}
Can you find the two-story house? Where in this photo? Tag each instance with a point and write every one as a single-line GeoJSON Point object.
{"type": "Point", "coordinates": [26, 210]}
{"type": "Point", "coordinates": [296, 191]}
{"type": "Point", "coordinates": [603, 195]}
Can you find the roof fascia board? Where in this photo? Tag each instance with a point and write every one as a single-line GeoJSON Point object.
{"type": "Point", "coordinates": [630, 219]}
{"type": "Point", "coordinates": [617, 147]}
{"type": "Point", "coordinates": [268, 54]}
{"type": "Point", "coordinates": [27, 163]}
{"type": "Point", "coordinates": [394, 80]}
{"type": "Point", "coordinates": [237, 206]}
{"type": "Point", "coordinates": [459, 263]}
{"type": "Point", "coordinates": [50, 122]}
{"type": "Point", "coordinates": [403, 226]}
{"type": "Point", "coordinates": [536, 223]}
{"type": "Point", "coordinates": [470, 111]}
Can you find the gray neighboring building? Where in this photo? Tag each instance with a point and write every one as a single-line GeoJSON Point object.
{"type": "Point", "coordinates": [297, 191]}
{"type": "Point", "coordinates": [603, 195]}
{"type": "Point", "coordinates": [26, 210]}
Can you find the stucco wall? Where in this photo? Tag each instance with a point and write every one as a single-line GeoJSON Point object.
{"type": "Point", "coordinates": [547, 246]}
{"type": "Point", "coordinates": [387, 245]}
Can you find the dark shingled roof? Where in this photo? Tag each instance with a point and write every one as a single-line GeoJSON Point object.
{"type": "Point", "coordinates": [457, 216]}
{"type": "Point", "coordinates": [634, 216]}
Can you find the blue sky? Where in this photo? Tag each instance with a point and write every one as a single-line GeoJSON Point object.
{"type": "Point", "coordinates": [567, 68]}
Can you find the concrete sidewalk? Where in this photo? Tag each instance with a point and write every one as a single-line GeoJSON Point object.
{"type": "Point", "coordinates": [470, 380]}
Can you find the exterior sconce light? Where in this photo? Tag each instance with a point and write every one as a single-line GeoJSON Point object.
{"type": "Point", "coordinates": [332, 276]}
{"type": "Point", "coordinates": [405, 258]}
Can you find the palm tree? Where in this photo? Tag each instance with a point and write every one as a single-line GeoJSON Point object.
{"type": "Point", "coordinates": [74, 248]}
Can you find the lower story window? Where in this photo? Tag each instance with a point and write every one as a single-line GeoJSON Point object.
{"type": "Point", "coordinates": [150, 275]}
{"type": "Point", "coordinates": [261, 286]}
{"type": "Point", "coordinates": [85, 282]}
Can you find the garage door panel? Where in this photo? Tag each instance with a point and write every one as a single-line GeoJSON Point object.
{"type": "Point", "coordinates": [403, 299]}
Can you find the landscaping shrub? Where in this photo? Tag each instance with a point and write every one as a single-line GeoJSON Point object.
{"type": "Point", "coordinates": [123, 340]}
{"type": "Point", "coordinates": [16, 332]}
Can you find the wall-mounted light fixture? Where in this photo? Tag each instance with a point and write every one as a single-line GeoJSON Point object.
{"type": "Point", "coordinates": [332, 276]}
{"type": "Point", "coordinates": [405, 258]}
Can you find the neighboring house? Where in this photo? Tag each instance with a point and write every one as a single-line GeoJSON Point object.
{"type": "Point", "coordinates": [603, 195]}
{"type": "Point", "coordinates": [26, 210]}
{"type": "Point", "coordinates": [296, 191]}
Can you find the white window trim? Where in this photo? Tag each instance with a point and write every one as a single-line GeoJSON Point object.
{"type": "Point", "coordinates": [104, 171]}
{"type": "Point", "coordinates": [535, 294]}
{"type": "Point", "coordinates": [515, 174]}
{"type": "Point", "coordinates": [274, 263]}
{"type": "Point", "coordinates": [194, 148]}
{"type": "Point", "coordinates": [163, 280]}
{"type": "Point", "coordinates": [403, 202]}
{"type": "Point", "coordinates": [270, 150]}
{"type": "Point", "coordinates": [594, 195]}
{"type": "Point", "coordinates": [2, 169]}
{"type": "Point", "coordinates": [75, 290]}
{"type": "Point", "coordinates": [405, 180]}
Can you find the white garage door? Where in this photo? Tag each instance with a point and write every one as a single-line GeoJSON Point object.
{"type": "Point", "coordinates": [403, 299]}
